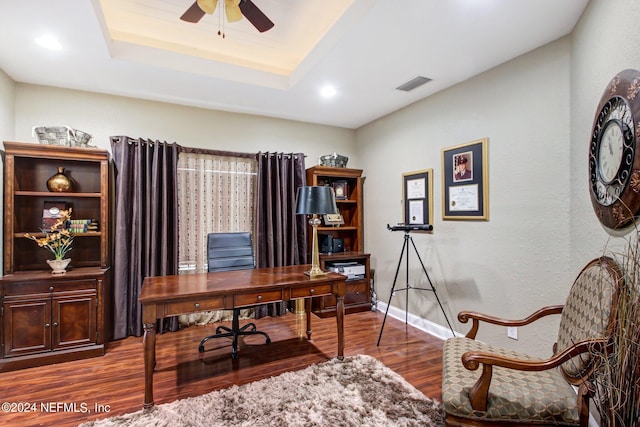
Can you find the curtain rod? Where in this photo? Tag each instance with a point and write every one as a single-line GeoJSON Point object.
{"type": "Point", "coordinates": [281, 154]}
{"type": "Point", "coordinates": [193, 150]}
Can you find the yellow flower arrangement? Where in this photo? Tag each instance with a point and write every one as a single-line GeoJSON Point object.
{"type": "Point", "coordinates": [58, 238]}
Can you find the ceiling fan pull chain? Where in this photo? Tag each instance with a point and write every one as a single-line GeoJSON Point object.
{"type": "Point", "coordinates": [221, 20]}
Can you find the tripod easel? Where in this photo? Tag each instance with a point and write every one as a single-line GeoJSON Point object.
{"type": "Point", "coordinates": [408, 287]}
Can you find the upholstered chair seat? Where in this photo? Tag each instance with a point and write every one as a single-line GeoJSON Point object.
{"type": "Point", "coordinates": [514, 395]}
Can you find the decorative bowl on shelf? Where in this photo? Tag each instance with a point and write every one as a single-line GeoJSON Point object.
{"type": "Point", "coordinates": [334, 160]}
{"type": "Point", "coordinates": [62, 135]}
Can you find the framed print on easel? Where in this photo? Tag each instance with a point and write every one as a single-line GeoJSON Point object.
{"type": "Point", "coordinates": [465, 186]}
{"type": "Point", "coordinates": [417, 197]}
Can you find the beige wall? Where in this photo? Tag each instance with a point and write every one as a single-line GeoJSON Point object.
{"type": "Point", "coordinates": [537, 112]}
{"type": "Point", "coordinates": [605, 42]}
{"type": "Point", "coordinates": [7, 130]}
{"type": "Point", "coordinates": [518, 260]}
{"type": "Point", "coordinates": [7, 101]}
{"type": "Point", "coordinates": [106, 115]}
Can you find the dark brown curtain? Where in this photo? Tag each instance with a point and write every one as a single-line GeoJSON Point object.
{"type": "Point", "coordinates": [146, 232]}
{"type": "Point", "coordinates": [281, 234]}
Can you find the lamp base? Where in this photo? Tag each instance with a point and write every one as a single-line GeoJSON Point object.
{"type": "Point", "coordinates": [315, 272]}
{"type": "Point", "coordinates": [315, 258]}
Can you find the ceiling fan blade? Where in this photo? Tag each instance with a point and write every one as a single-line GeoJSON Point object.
{"type": "Point", "coordinates": [255, 16]}
{"type": "Point", "coordinates": [193, 14]}
{"type": "Point", "coordinates": [233, 11]}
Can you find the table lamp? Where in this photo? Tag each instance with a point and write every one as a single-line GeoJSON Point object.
{"type": "Point", "coordinates": [315, 201]}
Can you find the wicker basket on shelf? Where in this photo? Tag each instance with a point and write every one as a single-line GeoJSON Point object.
{"type": "Point", "coordinates": [334, 160]}
{"type": "Point", "coordinates": [62, 135]}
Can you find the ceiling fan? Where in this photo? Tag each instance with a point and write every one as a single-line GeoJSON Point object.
{"type": "Point", "coordinates": [235, 10]}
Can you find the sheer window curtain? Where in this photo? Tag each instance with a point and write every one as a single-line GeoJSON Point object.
{"type": "Point", "coordinates": [145, 232]}
{"type": "Point", "coordinates": [216, 192]}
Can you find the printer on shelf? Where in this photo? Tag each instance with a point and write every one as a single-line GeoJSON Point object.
{"type": "Point", "coordinates": [352, 270]}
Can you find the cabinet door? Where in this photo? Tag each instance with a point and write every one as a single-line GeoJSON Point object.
{"type": "Point", "coordinates": [74, 320]}
{"type": "Point", "coordinates": [27, 326]}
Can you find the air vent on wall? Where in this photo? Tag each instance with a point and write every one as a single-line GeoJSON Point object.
{"type": "Point", "coordinates": [413, 83]}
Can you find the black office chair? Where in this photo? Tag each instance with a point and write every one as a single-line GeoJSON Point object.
{"type": "Point", "coordinates": [231, 251]}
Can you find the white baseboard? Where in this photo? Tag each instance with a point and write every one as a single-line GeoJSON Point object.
{"type": "Point", "coordinates": [425, 325]}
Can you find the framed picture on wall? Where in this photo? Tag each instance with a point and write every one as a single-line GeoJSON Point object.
{"type": "Point", "coordinates": [465, 187]}
{"type": "Point", "coordinates": [417, 197]}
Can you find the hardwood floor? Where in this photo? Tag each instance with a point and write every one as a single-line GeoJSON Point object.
{"type": "Point", "coordinates": [114, 384]}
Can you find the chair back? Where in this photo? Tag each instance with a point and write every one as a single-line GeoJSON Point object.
{"type": "Point", "coordinates": [589, 312]}
{"type": "Point", "coordinates": [229, 251]}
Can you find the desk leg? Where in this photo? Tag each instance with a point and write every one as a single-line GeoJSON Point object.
{"type": "Point", "coordinates": [307, 312]}
{"type": "Point", "coordinates": [340, 324]}
{"type": "Point", "coordinates": [149, 343]}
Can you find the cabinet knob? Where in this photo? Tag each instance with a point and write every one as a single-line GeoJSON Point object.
{"type": "Point", "coordinates": [55, 324]}
{"type": "Point", "coordinates": [312, 291]}
{"type": "Point", "coordinates": [259, 297]}
{"type": "Point", "coordinates": [50, 288]}
{"type": "Point", "coordinates": [197, 305]}
{"type": "Point", "coordinates": [46, 325]}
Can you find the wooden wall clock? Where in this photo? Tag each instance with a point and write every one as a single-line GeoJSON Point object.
{"type": "Point", "coordinates": [614, 152]}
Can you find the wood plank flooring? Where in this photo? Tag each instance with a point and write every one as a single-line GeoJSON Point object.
{"type": "Point", "coordinates": [78, 391]}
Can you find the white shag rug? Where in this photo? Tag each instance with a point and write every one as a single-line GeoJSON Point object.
{"type": "Point", "coordinates": [357, 391]}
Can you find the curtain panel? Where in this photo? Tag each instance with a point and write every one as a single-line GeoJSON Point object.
{"type": "Point", "coordinates": [280, 233]}
{"type": "Point", "coordinates": [146, 225]}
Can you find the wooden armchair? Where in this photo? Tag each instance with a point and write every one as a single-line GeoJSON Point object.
{"type": "Point", "coordinates": [516, 389]}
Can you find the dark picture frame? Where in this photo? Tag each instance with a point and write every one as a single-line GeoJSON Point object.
{"type": "Point", "coordinates": [341, 189]}
{"type": "Point", "coordinates": [465, 186]}
{"type": "Point", "coordinates": [417, 197]}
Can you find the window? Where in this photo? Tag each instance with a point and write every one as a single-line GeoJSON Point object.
{"type": "Point", "coordinates": [215, 195]}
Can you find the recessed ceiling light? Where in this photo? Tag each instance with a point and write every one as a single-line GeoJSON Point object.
{"type": "Point", "coordinates": [49, 42]}
{"type": "Point", "coordinates": [328, 91]}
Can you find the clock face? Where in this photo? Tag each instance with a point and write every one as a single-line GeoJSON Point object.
{"type": "Point", "coordinates": [610, 152]}
{"type": "Point", "coordinates": [614, 173]}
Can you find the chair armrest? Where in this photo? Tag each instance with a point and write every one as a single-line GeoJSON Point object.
{"type": "Point", "coordinates": [464, 317]}
{"type": "Point", "coordinates": [472, 360]}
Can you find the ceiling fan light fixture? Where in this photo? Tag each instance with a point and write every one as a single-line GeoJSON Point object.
{"type": "Point", "coordinates": [207, 6]}
{"type": "Point", "coordinates": [232, 9]}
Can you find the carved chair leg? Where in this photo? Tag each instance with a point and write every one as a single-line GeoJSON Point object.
{"type": "Point", "coordinates": [585, 391]}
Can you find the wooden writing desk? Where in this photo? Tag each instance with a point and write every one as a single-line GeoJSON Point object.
{"type": "Point", "coordinates": [166, 296]}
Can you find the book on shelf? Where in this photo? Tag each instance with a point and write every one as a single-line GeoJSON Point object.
{"type": "Point", "coordinates": [83, 225]}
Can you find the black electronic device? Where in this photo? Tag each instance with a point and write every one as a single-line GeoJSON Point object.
{"type": "Point", "coordinates": [330, 244]}
{"type": "Point", "coordinates": [410, 227]}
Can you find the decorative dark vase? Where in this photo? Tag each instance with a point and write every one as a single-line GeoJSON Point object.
{"type": "Point", "coordinates": [60, 183]}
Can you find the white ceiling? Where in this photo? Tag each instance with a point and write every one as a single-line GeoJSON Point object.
{"type": "Point", "coordinates": [365, 48]}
